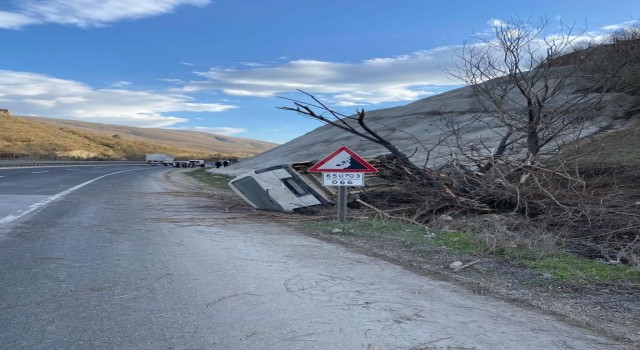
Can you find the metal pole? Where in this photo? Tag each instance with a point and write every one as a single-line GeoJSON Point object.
{"type": "Point", "coordinates": [342, 204]}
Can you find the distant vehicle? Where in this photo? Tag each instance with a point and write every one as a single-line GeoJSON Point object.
{"type": "Point", "coordinates": [196, 163]}
{"type": "Point", "coordinates": [180, 164]}
{"type": "Point", "coordinates": [159, 159]}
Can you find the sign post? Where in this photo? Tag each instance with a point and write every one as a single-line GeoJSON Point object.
{"type": "Point", "coordinates": [343, 168]}
{"type": "Point", "coordinates": [342, 204]}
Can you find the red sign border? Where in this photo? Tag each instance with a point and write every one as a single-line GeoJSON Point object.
{"type": "Point", "coordinates": [370, 168]}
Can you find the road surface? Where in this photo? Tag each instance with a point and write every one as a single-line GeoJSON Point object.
{"type": "Point", "coordinates": [131, 261]}
{"type": "Point", "coordinates": [23, 190]}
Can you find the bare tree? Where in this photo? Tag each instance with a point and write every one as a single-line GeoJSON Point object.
{"type": "Point", "coordinates": [521, 80]}
{"type": "Point", "coordinates": [548, 91]}
{"type": "Point", "coordinates": [347, 123]}
{"type": "Point", "coordinates": [626, 34]}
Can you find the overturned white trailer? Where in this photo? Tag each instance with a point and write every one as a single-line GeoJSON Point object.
{"type": "Point", "coordinates": [283, 187]}
{"type": "Point", "coordinates": [288, 187]}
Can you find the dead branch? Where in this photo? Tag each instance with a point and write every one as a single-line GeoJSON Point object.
{"type": "Point", "coordinates": [389, 216]}
{"type": "Point", "coordinates": [466, 265]}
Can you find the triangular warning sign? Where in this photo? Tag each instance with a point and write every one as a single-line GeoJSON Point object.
{"type": "Point", "coordinates": [343, 160]}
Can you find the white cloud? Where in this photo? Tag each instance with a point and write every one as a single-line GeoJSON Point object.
{"type": "Point", "coordinates": [36, 94]}
{"type": "Point", "coordinates": [172, 81]}
{"type": "Point", "coordinates": [87, 13]}
{"type": "Point", "coordinates": [252, 64]}
{"type": "Point", "coordinates": [222, 130]}
{"type": "Point", "coordinates": [40, 103]}
{"type": "Point", "coordinates": [358, 98]}
{"type": "Point", "coordinates": [494, 22]}
{"type": "Point", "coordinates": [11, 20]}
{"type": "Point", "coordinates": [120, 84]}
{"type": "Point", "coordinates": [377, 80]}
{"type": "Point", "coordinates": [623, 25]}
{"type": "Point", "coordinates": [252, 93]}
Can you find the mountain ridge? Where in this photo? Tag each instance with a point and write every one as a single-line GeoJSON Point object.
{"type": "Point", "coordinates": [49, 138]}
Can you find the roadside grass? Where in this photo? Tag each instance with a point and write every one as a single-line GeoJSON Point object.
{"type": "Point", "coordinates": [557, 265]}
{"type": "Point", "coordinates": [213, 180]}
{"type": "Point", "coordinates": [405, 233]}
{"type": "Point", "coordinates": [580, 271]}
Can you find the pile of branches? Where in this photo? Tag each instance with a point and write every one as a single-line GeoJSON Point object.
{"type": "Point", "coordinates": [594, 213]}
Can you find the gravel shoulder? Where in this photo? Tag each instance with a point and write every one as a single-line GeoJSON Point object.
{"type": "Point", "coordinates": [608, 311]}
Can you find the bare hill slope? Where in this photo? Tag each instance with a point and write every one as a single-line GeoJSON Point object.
{"type": "Point", "coordinates": [419, 129]}
{"type": "Point", "coordinates": [55, 138]}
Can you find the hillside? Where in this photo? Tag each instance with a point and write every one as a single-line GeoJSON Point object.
{"type": "Point", "coordinates": [422, 128]}
{"type": "Point", "coordinates": [45, 138]}
{"type": "Point", "coordinates": [418, 128]}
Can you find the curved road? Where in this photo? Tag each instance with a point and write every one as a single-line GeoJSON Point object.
{"type": "Point", "coordinates": [131, 261]}
{"type": "Point", "coordinates": [23, 190]}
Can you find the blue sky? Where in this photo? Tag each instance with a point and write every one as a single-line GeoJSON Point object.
{"type": "Point", "coordinates": [218, 65]}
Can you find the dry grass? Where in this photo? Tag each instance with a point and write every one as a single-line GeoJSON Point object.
{"type": "Point", "coordinates": [618, 147]}
{"type": "Point", "coordinates": [43, 138]}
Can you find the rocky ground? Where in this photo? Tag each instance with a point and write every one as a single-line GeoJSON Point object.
{"type": "Point", "coordinates": [613, 312]}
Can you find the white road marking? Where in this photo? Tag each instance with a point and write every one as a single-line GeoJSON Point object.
{"type": "Point", "coordinates": [70, 169]}
{"type": "Point", "coordinates": [9, 218]}
{"type": "Point", "coordinates": [40, 172]}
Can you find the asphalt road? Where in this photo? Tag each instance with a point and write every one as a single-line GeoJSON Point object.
{"type": "Point", "coordinates": [23, 190]}
{"type": "Point", "coordinates": [130, 261]}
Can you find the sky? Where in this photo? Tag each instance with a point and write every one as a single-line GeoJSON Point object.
{"type": "Point", "coordinates": [224, 66]}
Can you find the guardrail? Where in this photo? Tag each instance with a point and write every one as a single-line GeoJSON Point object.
{"type": "Point", "coordinates": [38, 163]}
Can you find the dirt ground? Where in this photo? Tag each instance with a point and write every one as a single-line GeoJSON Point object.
{"type": "Point", "coordinates": [615, 313]}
